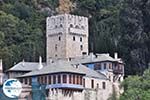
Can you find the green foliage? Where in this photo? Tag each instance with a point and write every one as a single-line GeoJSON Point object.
{"type": "Point", "coordinates": [104, 23]}
{"type": "Point", "coordinates": [22, 31]}
{"type": "Point", "coordinates": [135, 40]}
{"type": "Point", "coordinates": [137, 87]}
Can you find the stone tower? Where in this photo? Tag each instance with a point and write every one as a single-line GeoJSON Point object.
{"type": "Point", "coordinates": [1, 72]}
{"type": "Point", "coordinates": [67, 36]}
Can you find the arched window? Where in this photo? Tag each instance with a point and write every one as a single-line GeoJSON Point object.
{"type": "Point", "coordinates": [76, 26]}
{"type": "Point", "coordinates": [80, 39]}
{"type": "Point", "coordinates": [103, 85]}
{"type": "Point", "coordinates": [92, 83]}
{"type": "Point", "coordinates": [71, 25]}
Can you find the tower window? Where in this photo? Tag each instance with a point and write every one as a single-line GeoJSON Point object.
{"type": "Point", "coordinates": [82, 27]}
{"type": "Point", "coordinates": [71, 25]}
{"type": "Point", "coordinates": [81, 47]}
{"type": "Point", "coordinates": [61, 25]}
{"type": "Point", "coordinates": [59, 38]}
{"type": "Point", "coordinates": [55, 55]}
{"type": "Point", "coordinates": [76, 26]}
{"type": "Point", "coordinates": [80, 39]}
{"type": "Point", "coordinates": [55, 26]}
{"type": "Point", "coordinates": [74, 38]}
{"type": "Point", "coordinates": [56, 47]}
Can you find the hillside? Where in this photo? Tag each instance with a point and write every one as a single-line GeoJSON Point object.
{"type": "Point", "coordinates": [115, 26]}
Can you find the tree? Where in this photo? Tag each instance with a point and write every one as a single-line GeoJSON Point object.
{"type": "Point", "coordinates": [137, 87]}
{"type": "Point", "coordinates": [135, 35]}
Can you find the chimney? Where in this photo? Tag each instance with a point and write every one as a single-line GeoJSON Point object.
{"type": "Point", "coordinates": [40, 63]}
{"type": "Point", "coordinates": [1, 72]}
{"type": "Point", "coordinates": [23, 62]}
{"type": "Point", "coordinates": [116, 55]}
{"type": "Point", "coordinates": [92, 55]}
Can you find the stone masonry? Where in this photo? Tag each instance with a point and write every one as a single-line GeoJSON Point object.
{"type": "Point", "coordinates": [67, 36]}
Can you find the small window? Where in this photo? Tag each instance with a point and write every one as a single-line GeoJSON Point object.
{"type": "Point", "coordinates": [55, 55]}
{"type": "Point", "coordinates": [56, 47]}
{"type": "Point", "coordinates": [42, 79]}
{"type": "Point", "coordinates": [80, 80]}
{"type": "Point", "coordinates": [80, 39]}
{"type": "Point", "coordinates": [59, 38]}
{"type": "Point", "coordinates": [84, 53]}
{"type": "Point", "coordinates": [64, 78]}
{"type": "Point", "coordinates": [81, 47]}
{"type": "Point", "coordinates": [70, 78]}
{"type": "Point", "coordinates": [104, 65]}
{"type": "Point", "coordinates": [55, 26]}
{"type": "Point", "coordinates": [74, 38]}
{"type": "Point", "coordinates": [45, 79]}
{"type": "Point", "coordinates": [103, 85]}
{"type": "Point", "coordinates": [54, 79]}
{"type": "Point", "coordinates": [25, 80]}
{"type": "Point", "coordinates": [97, 85]}
{"type": "Point", "coordinates": [76, 26]}
{"type": "Point", "coordinates": [61, 25]}
{"type": "Point", "coordinates": [59, 78]}
{"type": "Point", "coordinates": [73, 79]}
{"type": "Point", "coordinates": [110, 66]}
{"type": "Point", "coordinates": [92, 83]}
{"type": "Point", "coordinates": [82, 27]}
{"type": "Point", "coordinates": [71, 25]}
{"type": "Point", "coordinates": [83, 82]}
{"type": "Point", "coordinates": [49, 79]}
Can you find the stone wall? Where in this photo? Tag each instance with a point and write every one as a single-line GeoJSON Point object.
{"type": "Point", "coordinates": [67, 36]}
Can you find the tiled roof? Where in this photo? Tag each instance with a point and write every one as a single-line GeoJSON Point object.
{"type": "Point", "coordinates": [92, 58]}
{"type": "Point", "coordinates": [25, 66]}
{"type": "Point", "coordinates": [65, 66]}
